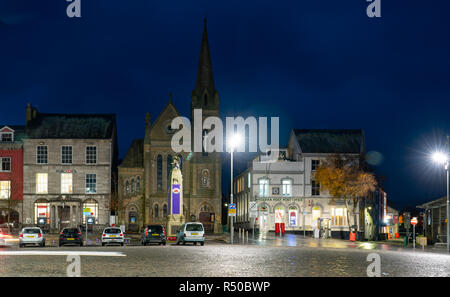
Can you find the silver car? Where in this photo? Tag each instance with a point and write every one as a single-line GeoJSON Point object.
{"type": "Point", "coordinates": [112, 235]}
{"type": "Point", "coordinates": [31, 235]}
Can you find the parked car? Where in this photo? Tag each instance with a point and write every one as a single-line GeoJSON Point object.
{"type": "Point", "coordinates": [191, 232]}
{"type": "Point", "coordinates": [70, 236]}
{"type": "Point", "coordinates": [32, 235]}
{"type": "Point", "coordinates": [154, 234]}
{"type": "Point", "coordinates": [112, 235]}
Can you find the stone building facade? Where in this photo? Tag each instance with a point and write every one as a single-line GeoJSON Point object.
{"type": "Point", "coordinates": [202, 190]}
{"type": "Point", "coordinates": [286, 192]}
{"type": "Point", "coordinates": [68, 165]}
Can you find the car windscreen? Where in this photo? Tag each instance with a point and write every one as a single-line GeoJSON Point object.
{"type": "Point", "coordinates": [194, 227]}
{"type": "Point", "coordinates": [31, 231]}
{"type": "Point", "coordinates": [157, 229]}
{"type": "Point", "coordinates": [70, 231]}
{"type": "Point", "coordinates": [112, 231]}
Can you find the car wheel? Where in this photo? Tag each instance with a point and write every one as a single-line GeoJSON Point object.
{"type": "Point", "coordinates": [103, 244]}
{"type": "Point", "coordinates": [81, 244]}
{"type": "Point", "coordinates": [178, 243]}
{"type": "Point", "coordinates": [164, 243]}
{"type": "Point", "coordinates": [121, 243]}
{"type": "Point", "coordinates": [184, 242]}
{"type": "Point", "coordinates": [202, 243]}
{"type": "Point", "coordinates": [60, 244]}
{"type": "Point", "coordinates": [195, 243]}
{"type": "Point", "coordinates": [20, 245]}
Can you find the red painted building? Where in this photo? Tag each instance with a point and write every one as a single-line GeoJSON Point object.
{"type": "Point", "coordinates": [11, 174]}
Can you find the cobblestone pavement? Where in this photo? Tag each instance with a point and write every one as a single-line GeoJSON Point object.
{"type": "Point", "coordinates": [308, 257]}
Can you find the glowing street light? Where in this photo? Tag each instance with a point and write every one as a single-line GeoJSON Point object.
{"type": "Point", "coordinates": [233, 143]}
{"type": "Point", "coordinates": [442, 159]}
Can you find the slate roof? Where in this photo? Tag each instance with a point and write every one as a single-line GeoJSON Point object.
{"type": "Point", "coordinates": [330, 141]}
{"type": "Point", "coordinates": [72, 126]}
{"type": "Point", "coordinates": [135, 155]}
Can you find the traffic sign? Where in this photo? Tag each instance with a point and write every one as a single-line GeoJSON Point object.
{"type": "Point", "coordinates": [253, 209]}
{"type": "Point", "coordinates": [86, 211]}
{"type": "Point", "coordinates": [232, 209]}
{"type": "Point", "coordinates": [414, 221]}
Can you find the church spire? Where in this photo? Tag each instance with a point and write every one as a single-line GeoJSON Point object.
{"type": "Point", "coordinates": [205, 79]}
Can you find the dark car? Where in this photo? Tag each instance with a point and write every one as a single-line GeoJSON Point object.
{"type": "Point", "coordinates": [154, 234]}
{"type": "Point", "coordinates": [70, 236]}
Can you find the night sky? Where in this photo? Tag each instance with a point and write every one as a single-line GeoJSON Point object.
{"type": "Point", "coordinates": [314, 64]}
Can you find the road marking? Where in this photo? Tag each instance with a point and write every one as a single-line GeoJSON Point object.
{"type": "Point", "coordinates": [61, 253]}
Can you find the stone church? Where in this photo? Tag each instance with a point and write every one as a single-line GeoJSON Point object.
{"type": "Point", "coordinates": [144, 172]}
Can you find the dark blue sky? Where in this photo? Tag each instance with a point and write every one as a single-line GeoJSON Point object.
{"type": "Point", "coordinates": [315, 64]}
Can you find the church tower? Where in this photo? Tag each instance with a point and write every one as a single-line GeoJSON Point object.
{"type": "Point", "coordinates": [206, 168]}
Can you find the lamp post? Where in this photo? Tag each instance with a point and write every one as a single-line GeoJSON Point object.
{"type": "Point", "coordinates": [233, 143]}
{"type": "Point", "coordinates": [442, 158]}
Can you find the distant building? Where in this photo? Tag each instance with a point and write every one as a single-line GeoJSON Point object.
{"type": "Point", "coordinates": [11, 174]}
{"type": "Point", "coordinates": [149, 160]}
{"type": "Point", "coordinates": [434, 225]}
{"type": "Point", "coordinates": [68, 165]}
{"type": "Point", "coordinates": [286, 191]}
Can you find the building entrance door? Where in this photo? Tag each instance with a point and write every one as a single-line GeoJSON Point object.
{"type": "Point", "coordinates": [64, 217]}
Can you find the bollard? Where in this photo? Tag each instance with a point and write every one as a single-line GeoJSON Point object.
{"type": "Point", "coordinates": [246, 233]}
{"type": "Point", "coordinates": [239, 232]}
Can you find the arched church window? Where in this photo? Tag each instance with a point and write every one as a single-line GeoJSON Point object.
{"type": "Point", "coordinates": [138, 184]}
{"type": "Point", "coordinates": [127, 188]}
{"type": "Point", "coordinates": [132, 185]}
{"type": "Point", "coordinates": [156, 211]}
{"type": "Point", "coordinates": [205, 100]}
{"type": "Point", "coordinates": [205, 178]}
{"type": "Point", "coordinates": [169, 168]}
{"type": "Point", "coordinates": [165, 210]}
{"type": "Point", "coordinates": [159, 172]}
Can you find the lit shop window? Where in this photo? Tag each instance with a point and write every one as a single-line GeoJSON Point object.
{"type": "Point", "coordinates": [41, 154]}
{"type": "Point", "coordinates": [41, 183]}
{"type": "Point", "coordinates": [316, 212]}
{"type": "Point", "coordinates": [279, 214]}
{"type": "Point", "coordinates": [5, 189]}
{"type": "Point", "coordinates": [293, 216]}
{"type": "Point", "coordinates": [91, 183]}
{"type": "Point", "coordinates": [5, 164]}
{"type": "Point", "coordinates": [66, 154]}
{"type": "Point", "coordinates": [93, 207]}
{"type": "Point", "coordinates": [91, 155]}
{"type": "Point", "coordinates": [339, 216]}
{"type": "Point", "coordinates": [287, 187]}
{"type": "Point", "coordinates": [41, 210]}
{"type": "Point", "coordinates": [263, 187]}
{"type": "Point", "coordinates": [66, 183]}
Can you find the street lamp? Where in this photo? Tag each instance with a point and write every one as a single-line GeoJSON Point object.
{"type": "Point", "coordinates": [442, 159]}
{"type": "Point", "coordinates": [233, 142]}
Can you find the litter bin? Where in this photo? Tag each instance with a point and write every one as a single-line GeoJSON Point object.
{"type": "Point", "coordinates": [282, 229]}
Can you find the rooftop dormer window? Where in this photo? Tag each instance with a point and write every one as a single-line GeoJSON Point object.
{"type": "Point", "coordinates": [6, 137]}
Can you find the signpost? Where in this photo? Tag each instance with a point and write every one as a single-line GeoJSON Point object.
{"type": "Point", "coordinates": [232, 209]}
{"type": "Point", "coordinates": [86, 213]}
{"type": "Point", "coordinates": [414, 223]}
